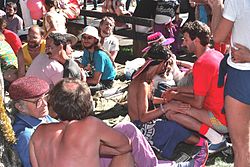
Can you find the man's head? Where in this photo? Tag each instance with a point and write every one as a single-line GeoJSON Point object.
{"type": "Point", "coordinates": [106, 26]}
{"type": "Point", "coordinates": [157, 61]}
{"type": "Point", "coordinates": [35, 36]}
{"type": "Point", "coordinates": [89, 37]}
{"type": "Point", "coordinates": [55, 44]}
{"type": "Point", "coordinates": [3, 24]}
{"type": "Point", "coordinates": [71, 99]}
{"type": "Point", "coordinates": [195, 33]}
{"type": "Point", "coordinates": [29, 95]}
{"type": "Point", "coordinates": [11, 9]}
{"type": "Point", "coordinates": [49, 4]}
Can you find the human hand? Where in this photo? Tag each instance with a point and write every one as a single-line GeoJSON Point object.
{"type": "Point", "coordinates": [169, 94]}
{"type": "Point", "coordinates": [83, 75]}
{"type": "Point", "coordinates": [88, 67]}
{"type": "Point", "coordinates": [188, 72]}
{"type": "Point", "coordinates": [177, 106]}
{"type": "Point", "coordinates": [240, 53]}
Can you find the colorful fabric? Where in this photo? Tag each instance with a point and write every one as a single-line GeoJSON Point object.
{"type": "Point", "coordinates": [206, 74]}
{"type": "Point", "coordinates": [7, 56]}
{"type": "Point", "coordinates": [26, 55]}
{"type": "Point", "coordinates": [217, 125]}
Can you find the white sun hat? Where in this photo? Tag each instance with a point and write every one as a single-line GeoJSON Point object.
{"type": "Point", "coordinates": [90, 30]}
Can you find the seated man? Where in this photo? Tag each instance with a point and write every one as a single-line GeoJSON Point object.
{"type": "Point", "coordinates": [205, 97]}
{"type": "Point", "coordinates": [162, 134]}
{"type": "Point", "coordinates": [11, 37]}
{"type": "Point", "coordinates": [14, 22]}
{"type": "Point", "coordinates": [29, 51]}
{"type": "Point", "coordinates": [109, 41]}
{"type": "Point", "coordinates": [96, 61]}
{"type": "Point", "coordinates": [29, 97]}
{"type": "Point", "coordinates": [85, 137]}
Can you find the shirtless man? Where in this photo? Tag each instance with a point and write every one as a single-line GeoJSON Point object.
{"type": "Point", "coordinates": [162, 134]}
{"type": "Point", "coordinates": [80, 138]}
{"type": "Point", "coordinates": [34, 46]}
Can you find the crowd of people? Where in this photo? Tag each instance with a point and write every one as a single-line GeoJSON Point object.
{"type": "Point", "coordinates": [170, 101]}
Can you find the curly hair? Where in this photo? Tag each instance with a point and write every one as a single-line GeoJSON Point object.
{"type": "Point", "coordinates": [71, 99]}
{"type": "Point", "coordinates": [199, 30]}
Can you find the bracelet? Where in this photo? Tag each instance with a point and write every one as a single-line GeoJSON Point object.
{"type": "Point", "coordinates": [162, 109]}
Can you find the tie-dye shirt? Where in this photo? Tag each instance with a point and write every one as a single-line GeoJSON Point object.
{"type": "Point", "coordinates": [7, 56]}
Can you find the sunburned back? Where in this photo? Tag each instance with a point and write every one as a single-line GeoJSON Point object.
{"type": "Point", "coordinates": [62, 144]}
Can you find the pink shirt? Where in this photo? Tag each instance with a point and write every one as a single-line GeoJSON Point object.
{"type": "Point", "coordinates": [47, 69]}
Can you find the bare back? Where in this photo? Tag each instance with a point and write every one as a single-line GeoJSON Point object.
{"type": "Point", "coordinates": [63, 144]}
{"type": "Point", "coordinates": [75, 143]}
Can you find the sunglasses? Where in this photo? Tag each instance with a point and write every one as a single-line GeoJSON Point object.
{"type": "Point", "coordinates": [39, 101]}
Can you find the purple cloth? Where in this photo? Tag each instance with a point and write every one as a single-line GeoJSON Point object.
{"type": "Point", "coordinates": [142, 152]}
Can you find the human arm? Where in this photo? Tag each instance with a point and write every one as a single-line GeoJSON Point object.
{"type": "Point", "coordinates": [95, 79]}
{"type": "Point", "coordinates": [217, 9]}
{"type": "Point", "coordinates": [21, 64]}
{"type": "Point", "coordinates": [194, 101]}
{"type": "Point", "coordinates": [185, 64]}
{"type": "Point", "coordinates": [51, 28]}
{"type": "Point", "coordinates": [112, 141]}
{"type": "Point", "coordinates": [240, 53]}
{"type": "Point", "coordinates": [33, 159]}
{"type": "Point", "coordinates": [113, 55]}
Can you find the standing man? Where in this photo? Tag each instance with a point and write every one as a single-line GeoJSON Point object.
{"type": "Point", "coordinates": [14, 22]}
{"type": "Point", "coordinates": [29, 96]}
{"type": "Point", "coordinates": [35, 45]}
{"type": "Point", "coordinates": [235, 21]}
{"type": "Point", "coordinates": [96, 61]}
{"type": "Point", "coordinates": [205, 97]}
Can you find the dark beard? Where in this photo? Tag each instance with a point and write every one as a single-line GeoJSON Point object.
{"type": "Point", "coordinates": [9, 16]}
{"type": "Point", "coordinates": [89, 47]}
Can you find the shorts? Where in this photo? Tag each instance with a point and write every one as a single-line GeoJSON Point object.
{"type": "Point", "coordinates": [217, 125]}
{"type": "Point", "coordinates": [163, 135]}
{"type": "Point", "coordinates": [237, 84]}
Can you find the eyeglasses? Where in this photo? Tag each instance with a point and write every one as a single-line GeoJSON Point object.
{"type": "Point", "coordinates": [87, 37]}
{"type": "Point", "coordinates": [39, 101]}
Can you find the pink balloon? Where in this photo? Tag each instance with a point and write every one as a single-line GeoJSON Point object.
{"type": "Point", "coordinates": [36, 8]}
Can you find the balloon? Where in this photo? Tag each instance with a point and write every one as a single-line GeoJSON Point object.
{"type": "Point", "coordinates": [36, 8]}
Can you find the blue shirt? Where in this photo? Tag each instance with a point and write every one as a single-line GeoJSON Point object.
{"type": "Point", "coordinates": [101, 62]}
{"type": "Point", "coordinates": [24, 126]}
